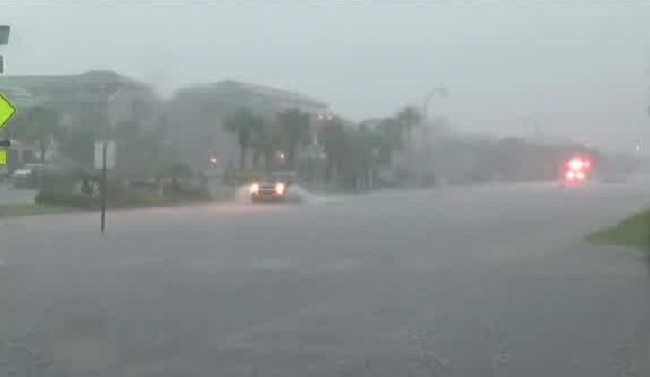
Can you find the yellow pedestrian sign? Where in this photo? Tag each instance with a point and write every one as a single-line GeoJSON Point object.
{"type": "Point", "coordinates": [7, 111]}
{"type": "Point", "coordinates": [3, 157]}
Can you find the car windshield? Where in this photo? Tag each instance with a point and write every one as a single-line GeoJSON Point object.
{"type": "Point", "coordinates": [465, 188]}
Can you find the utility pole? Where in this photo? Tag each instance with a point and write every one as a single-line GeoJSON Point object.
{"type": "Point", "coordinates": [443, 92]}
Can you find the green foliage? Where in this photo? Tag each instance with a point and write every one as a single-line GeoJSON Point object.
{"type": "Point", "coordinates": [140, 153]}
{"type": "Point", "coordinates": [408, 119]}
{"type": "Point", "coordinates": [125, 198]}
{"type": "Point", "coordinates": [390, 137]}
{"type": "Point", "coordinates": [60, 180]}
{"type": "Point", "coordinates": [77, 141]}
{"type": "Point", "coordinates": [294, 128]}
{"type": "Point", "coordinates": [632, 231]}
{"type": "Point", "coordinates": [244, 124]}
{"type": "Point", "coordinates": [78, 146]}
{"type": "Point", "coordinates": [289, 130]}
{"type": "Point", "coordinates": [264, 142]}
{"type": "Point", "coordinates": [176, 194]}
{"type": "Point", "coordinates": [176, 170]}
{"type": "Point", "coordinates": [38, 125]}
{"type": "Point", "coordinates": [64, 198]}
{"type": "Point", "coordinates": [30, 209]}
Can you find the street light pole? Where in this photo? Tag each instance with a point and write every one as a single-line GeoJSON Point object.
{"type": "Point", "coordinates": [442, 91]}
{"type": "Point", "coordinates": [103, 185]}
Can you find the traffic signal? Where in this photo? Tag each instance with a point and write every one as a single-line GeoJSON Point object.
{"type": "Point", "coordinates": [5, 143]}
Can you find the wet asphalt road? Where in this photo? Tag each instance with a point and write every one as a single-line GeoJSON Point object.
{"type": "Point", "coordinates": [490, 281]}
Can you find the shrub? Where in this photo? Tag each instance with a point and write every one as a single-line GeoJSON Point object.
{"type": "Point", "coordinates": [64, 199]}
{"type": "Point", "coordinates": [125, 197]}
{"type": "Point", "coordinates": [181, 194]}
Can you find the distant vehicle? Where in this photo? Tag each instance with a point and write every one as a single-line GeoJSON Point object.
{"type": "Point", "coordinates": [272, 188]}
{"type": "Point", "coordinates": [27, 176]}
{"type": "Point", "coordinates": [577, 171]}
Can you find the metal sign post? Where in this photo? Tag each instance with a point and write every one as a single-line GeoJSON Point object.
{"type": "Point", "coordinates": [104, 160]}
{"type": "Point", "coordinates": [104, 173]}
{"type": "Point", "coordinates": [105, 151]}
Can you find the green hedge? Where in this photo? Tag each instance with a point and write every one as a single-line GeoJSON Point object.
{"type": "Point", "coordinates": [64, 199]}
{"type": "Point", "coordinates": [186, 194]}
{"type": "Point", "coordinates": [124, 198]}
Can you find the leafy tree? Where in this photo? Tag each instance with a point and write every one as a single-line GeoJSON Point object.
{"type": "Point", "coordinates": [77, 145]}
{"type": "Point", "coordinates": [38, 125]}
{"type": "Point", "coordinates": [294, 128]}
{"type": "Point", "coordinates": [77, 141]}
{"type": "Point", "coordinates": [244, 124]}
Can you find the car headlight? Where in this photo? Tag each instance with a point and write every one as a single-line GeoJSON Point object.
{"type": "Point", "coordinates": [279, 188]}
{"type": "Point", "coordinates": [255, 188]}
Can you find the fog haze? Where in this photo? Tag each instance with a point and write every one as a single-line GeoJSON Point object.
{"type": "Point", "coordinates": [580, 69]}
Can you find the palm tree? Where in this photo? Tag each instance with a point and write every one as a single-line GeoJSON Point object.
{"type": "Point", "coordinates": [294, 127]}
{"type": "Point", "coordinates": [243, 123]}
{"type": "Point", "coordinates": [390, 138]}
{"type": "Point", "coordinates": [409, 118]}
{"type": "Point", "coordinates": [332, 136]}
{"type": "Point", "coordinates": [265, 140]}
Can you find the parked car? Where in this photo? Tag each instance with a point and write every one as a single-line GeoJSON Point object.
{"type": "Point", "coordinates": [27, 176]}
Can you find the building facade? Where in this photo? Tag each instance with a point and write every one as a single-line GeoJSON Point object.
{"type": "Point", "coordinates": [197, 115]}
{"type": "Point", "coordinates": [72, 95]}
{"type": "Point", "coordinates": [81, 101]}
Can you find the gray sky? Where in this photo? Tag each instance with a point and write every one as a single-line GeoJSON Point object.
{"type": "Point", "coordinates": [581, 67]}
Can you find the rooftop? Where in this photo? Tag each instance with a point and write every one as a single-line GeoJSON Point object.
{"type": "Point", "coordinates": [237, 86]}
